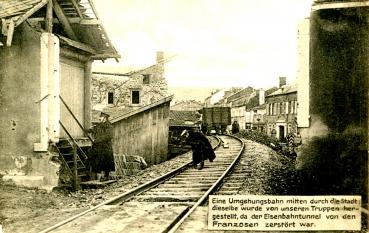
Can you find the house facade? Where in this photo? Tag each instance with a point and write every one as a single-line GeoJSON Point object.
{"type": "Point", "coordinates": [257, 118]}
{"type": "Point", "coordinates": [281, 111]}
{"type": "Point", "coordinates": [119, 93]}
{"type": "Point", "coordinates": [45, 80]}
{"type": "Point", "coordinates": [238, 102]}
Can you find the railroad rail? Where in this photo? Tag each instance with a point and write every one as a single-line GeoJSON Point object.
{"type": "Point", "coordinates": [184, 188]}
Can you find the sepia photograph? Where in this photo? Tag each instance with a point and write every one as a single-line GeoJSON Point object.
{"type": "Point", "coordinates": [184, 116]}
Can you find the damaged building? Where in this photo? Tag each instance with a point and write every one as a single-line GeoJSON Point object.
{"type": "Point", "coordinates": [116, 93]}
{"type": "Point", "coordinates": [138, 105]}
{"type": "Point", "coordinates": [47, 49]}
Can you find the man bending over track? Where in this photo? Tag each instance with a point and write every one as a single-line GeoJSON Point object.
{"type": "Point", "coordinates": [201, 147]}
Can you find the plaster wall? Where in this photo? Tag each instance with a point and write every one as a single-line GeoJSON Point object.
{"type": "Point", "coordinates": [19, 100]}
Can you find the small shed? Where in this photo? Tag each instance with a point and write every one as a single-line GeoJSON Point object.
{"type": "Point", "coordinates": [144, 132]}
{"type": "Point", "coordinates": [179, 121]}
{"type": "Point", "coordinates": [46, 51]}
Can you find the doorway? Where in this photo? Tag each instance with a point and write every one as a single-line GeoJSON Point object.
{"type": "Point", "coordinates": [281, 132]}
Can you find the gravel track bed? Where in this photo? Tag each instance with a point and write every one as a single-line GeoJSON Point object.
{"type": "Point", "coordinates": [32, 210]}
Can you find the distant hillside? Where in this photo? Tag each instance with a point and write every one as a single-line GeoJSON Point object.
{"type": "Point", "coordinates": [190, 93]}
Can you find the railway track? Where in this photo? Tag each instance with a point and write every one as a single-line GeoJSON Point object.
{"type": "Point", "coordinates": [163, 204]}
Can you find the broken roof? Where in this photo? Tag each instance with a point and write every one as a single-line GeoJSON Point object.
{"type": "Point", "coordinates": [178, 118]}
{"type": "Point", "coordinates": [82, 26]}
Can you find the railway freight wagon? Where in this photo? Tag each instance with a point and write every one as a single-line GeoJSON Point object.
{"type": "Point", "coordinates": [216, 118]}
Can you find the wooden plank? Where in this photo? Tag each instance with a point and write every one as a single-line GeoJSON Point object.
{"type": "Point", "coordinates": [64, 21]}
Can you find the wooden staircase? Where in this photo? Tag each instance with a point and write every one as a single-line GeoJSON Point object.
{"type": "Point", "coordinates": [66, 149]}
{"type": "Point", "coordinates": [71, 152]}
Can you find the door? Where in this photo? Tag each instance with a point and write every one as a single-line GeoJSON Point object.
{"type": "Point", "coordinates": [281, 132]}
{"type": "Point", "coordinates": [72, 91]}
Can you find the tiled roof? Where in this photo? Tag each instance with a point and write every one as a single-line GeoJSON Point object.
{"type": "Point", "coordinates": [181, 117]}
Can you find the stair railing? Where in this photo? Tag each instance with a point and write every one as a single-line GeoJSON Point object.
{"type": "Point", "coordinates": [75, 118]}
{"type": "Point", "coordinates": [75, 155]}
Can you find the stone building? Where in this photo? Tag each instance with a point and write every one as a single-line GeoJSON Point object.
{"type": "Point", "coordinates": [45, 72]}
{"type": "Point", "coordinates": [257, 118]}
{"type": "Point", "coordinates": [256, 110]}
{"type": "Point", "coordinates": [238, 102]}
{"type": "Point", "coordinates": [120, 93]}
{"type": "Point", "coordinates": [281, 110]}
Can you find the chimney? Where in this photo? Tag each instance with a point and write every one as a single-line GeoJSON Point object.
{"type": "Point", "coordinates": [159, 57]}
{"type": "Point", "coordinates": [261, 96]}
{"type": "Point", "coordinates": [282, 81]}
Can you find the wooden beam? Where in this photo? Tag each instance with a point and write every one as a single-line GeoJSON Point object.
{"type": "Point", "coordinates": [87, 94]}
{"type": "Point", "coordinates": [106, 56]}
{"type": "Point", "coordinates": [74, 20]}
{"type": "Point", "coordinates": [49, 17]}
{"type": "Point", "coordinates": [30, 12]}
{"type": "Point", "coordinates": [4, 27]}
{"type": "Point", "coordinates": [77, 9]}
{"type": "Point", "coordinates": [9, 34]}
{"type": "Point", "coordinates": [77, 45]}
{"type": "Point", "coordinates": [64, 21]}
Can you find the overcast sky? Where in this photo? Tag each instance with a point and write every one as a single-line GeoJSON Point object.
{"type": "Point", "coordinates": [212, 43]}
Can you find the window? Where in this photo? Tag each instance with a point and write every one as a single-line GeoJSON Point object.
{"type": "Point", "coordinates": [280, 108]}
{"type": "Point", "coordinates": [110, 97]}
{"type": "Point", "coordinates": [146, 79]}
{"type": "Point", "coordinates": [135, 97]}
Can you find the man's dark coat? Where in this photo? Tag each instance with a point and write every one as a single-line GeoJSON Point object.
{"type": "Point", "coordinates": [102, 157]}
{"type": "Point", "coordinates": [201, 147]}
